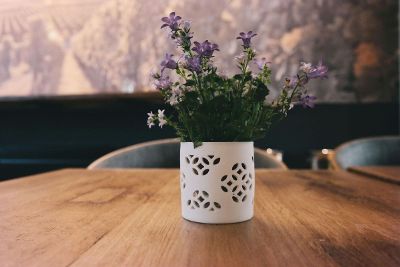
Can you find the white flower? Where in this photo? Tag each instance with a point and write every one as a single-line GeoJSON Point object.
{"type": "Point", "coordinates": [291, 106]}
{"type": "Point", "coordinates": [150, 119]}
{"type": "Point", "coordinates": [161, 118]}
{"type": "Point", "coordinates": [176, 91]}
{"type": "Point", "coordinates": [186, 25]}
{"type": "Point", "coordinates": [161, 114]}
{"type": "Point", "coordinates": [162, 122]}
{"type": "Point", "coordinates": [306, 67]}
{"type": "Point", "coordinates": [176, 94]}
{"type": "Point", "coordinates": [150, 124]}
{"type": "Point", "coordinates": [173, 100]}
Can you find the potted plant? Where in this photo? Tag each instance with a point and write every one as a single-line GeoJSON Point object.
{"type": "Point", "coordinates": [217, 119]}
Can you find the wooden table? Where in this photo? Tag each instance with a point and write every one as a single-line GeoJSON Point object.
{"type": "Point", "coordinates": [108, 218]}
{"type": "Point", "coordinates": [386, 173]}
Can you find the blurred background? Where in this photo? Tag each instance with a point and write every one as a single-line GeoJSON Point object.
{"type": "Point", "coordinates": [75, 74]}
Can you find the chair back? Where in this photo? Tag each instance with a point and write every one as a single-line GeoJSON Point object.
{"type": "Point", "coordinates": [368, 152]}
{"type": "Point", "coordinates": [164, 154]}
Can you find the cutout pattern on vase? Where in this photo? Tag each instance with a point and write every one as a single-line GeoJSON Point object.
{"type": "Point", "coordinates": [238, 183]}
{"type": "Point", "coordinates": [201, 165]}
{"type": "Point", "coordinates": [201, 200]}
{"type": "Point", "coordinates": [183, 180]}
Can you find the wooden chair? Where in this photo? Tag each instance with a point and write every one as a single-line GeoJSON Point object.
{"type": "Point", "coordinates": [164, 154]}
{"type": "Point", "coordinates": [373, 151]}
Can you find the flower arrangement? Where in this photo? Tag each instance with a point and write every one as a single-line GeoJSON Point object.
{"type": "Point", "coordinates": [208, 106]}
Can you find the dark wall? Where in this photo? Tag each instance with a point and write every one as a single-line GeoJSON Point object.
{"type": "Point", "coordinates": [47, 134]}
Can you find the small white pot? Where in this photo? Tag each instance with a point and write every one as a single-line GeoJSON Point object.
{"type": "Point", "coordinates": [217, 181]}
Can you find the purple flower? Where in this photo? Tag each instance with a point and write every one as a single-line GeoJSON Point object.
{"type": "Point", "coordinates": [172, 21]}
{"type": "Point", "coordinates": [193, 63]}
{"type": "Point", "coordinates": [205, 49]}
{"type": "Point", "coordinates": [168, 62]}
{"type": "Point", "coordinates": [314, 72]}
{"type": "Point", "coordinates": [163, 83]}
{"type": "Point", "coordinates": [246, 38]}
{"type": "Point", "coordinates": [319, 71]}
{"type": "Point", "coordinates": [307, 101]}
{"type": "Point", "coordinates": [261, 63]}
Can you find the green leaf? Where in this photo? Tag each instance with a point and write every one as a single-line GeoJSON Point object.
{"type": "Point", "coordinates": [190, 82]}
{"type": "Point", "coordinates": [237, 77]}
{"type": "Point", "coordinates": [261, 90]}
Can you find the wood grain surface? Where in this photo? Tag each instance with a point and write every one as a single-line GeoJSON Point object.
{"type": "Point", "coordinates": [385, 173]}
{"type": "Point", "coordinates": [132, 218]}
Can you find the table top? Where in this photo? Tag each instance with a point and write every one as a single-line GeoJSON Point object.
{"type": "Point", "coordinates": [385, 173]}
{"type": "Point", "coordinates": [78, 217]}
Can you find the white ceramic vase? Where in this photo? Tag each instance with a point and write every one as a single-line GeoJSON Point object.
{"type": "Point", "coordinates": [217, 182]}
